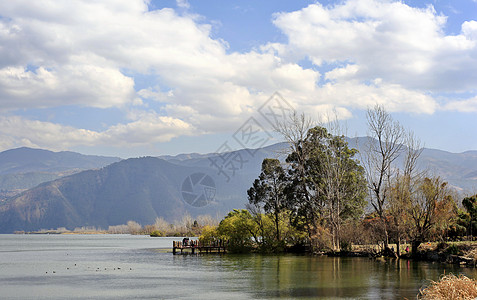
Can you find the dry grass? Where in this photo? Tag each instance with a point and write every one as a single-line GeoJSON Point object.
{"type": "Point", "coordinates": [472, 254]}
{"type": "Point", "coordinates": [450, 287]}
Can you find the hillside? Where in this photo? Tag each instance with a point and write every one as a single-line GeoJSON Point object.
{"type": "Point", "coordinates": [24, 168]}
{"type": "Point", "coordinates": [459, 169]}
{"type": "Point", "coordinates": [139, 189]}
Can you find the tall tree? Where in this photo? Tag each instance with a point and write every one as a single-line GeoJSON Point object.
{"type": "Point", "coordinates": [339, 179]}
{"type": "Point", "coordinates": [268, 191]}
{"type": "Point", "coordinates": [294, 131]}
{"type": "Point", "coordinates": [403, 187]}
{"type": "Point", "coordinates": [333, 181]}
{"type": "Point", "coordinates": [385, 144]}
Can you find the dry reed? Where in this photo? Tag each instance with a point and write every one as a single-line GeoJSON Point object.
{"type": "Point", "coordinates": [450, 287]}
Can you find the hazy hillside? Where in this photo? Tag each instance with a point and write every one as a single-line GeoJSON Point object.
{"type": "Point", "coordinates": [135, 189]}
{"type": "Point", "coordinates": [24, 168]}
{"type": "Point", "coordinates": [138, 189]}
{"type": "Point", "coordinates": [459, 169]}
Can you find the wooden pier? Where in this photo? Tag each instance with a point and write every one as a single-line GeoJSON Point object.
{"type": "Point", "coordinates": [195, 247]}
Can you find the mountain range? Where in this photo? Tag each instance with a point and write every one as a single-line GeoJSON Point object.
{"type": "Point", "coordinates": [24, 168]}
{"type": "Point", "coordinates": [65, 189]}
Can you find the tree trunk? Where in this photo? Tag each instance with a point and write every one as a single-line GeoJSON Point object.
{"type": "Point", "coordinates": [414, 245]}
{"type": "Point", "coordinates": [398, 246]}
{"type": "Point", "coordinates": [386, 234]}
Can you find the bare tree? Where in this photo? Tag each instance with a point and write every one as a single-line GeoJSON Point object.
{"type": "Point", "coordinates": [207, 220]}
{"type": "Point", "coordinates": [118, 229]}
{"type": "Point", "coordinates": [294, 130]}
{"type": "Point", "coordinates": [385, 144]}
{"type": "Point", "coordinates": [134, 227]}
{"type": "Point", "coordinates": [162, 225]}
{"type": "Point", "coordinates": [404, 185]}
{"type": "Point", "coordinates": [184, 225]}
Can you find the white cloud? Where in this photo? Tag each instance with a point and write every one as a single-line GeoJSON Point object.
{"type": "Point", "coordinates": [469, 30]}
{"type": "Point", "coordinates": [83, 85]}
{"type": "Point", "coordinates": [342, 74]}
{"type": "Point", "coordinates": [183, 3]}
{"type": "Point", "coordinates": [146, 128]}
{"type": "Point", "coordinates": [393, 97]}
{"type": "Point", "coordinates": [386, 39]}
{"type": "Point", "coordinates": [16, 131]}
{"type": "Point", "coordinates": [123, 37]}
{"type": "Point", "coordinates": [83, 53]}
{"type": "Point", "coordinates": [465, 106]}
{"type": "Point", "coordinates": [93, 46]}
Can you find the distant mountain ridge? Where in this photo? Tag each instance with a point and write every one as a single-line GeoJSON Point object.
{"type": "Point", "coordinates": [24, 160]}
{"type": "Point", "coordinates": [458, 169]}
{"type": "Point", "coordinates": [131, 189]}
{"type": "Point", "coordinates": [24, 168]}
{"type": "Point", "coordinates": [142, 189]}
{"type": "Point", "coordinates": [138, 189]}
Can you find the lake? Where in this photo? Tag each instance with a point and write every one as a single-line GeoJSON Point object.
{"type": "Point", "coordinates": [139, 267]}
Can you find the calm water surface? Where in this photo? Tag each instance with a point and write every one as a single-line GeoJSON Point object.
{"type": "Point", "coordinates": [138, 267]}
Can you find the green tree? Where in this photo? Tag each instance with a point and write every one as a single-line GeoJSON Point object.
{"type": "Point", "coordinates": [209, 235]}
{"type": "Point", "coordinates": [239, 230]}
{"type": "Point", "coordinates": [331, 186]}
{"type": "Point", "coordinates": [268, 192]}
{"type": "Point", "coordinates": [459, 225]}
{"type": "Point", "coordinates": [470, 205]}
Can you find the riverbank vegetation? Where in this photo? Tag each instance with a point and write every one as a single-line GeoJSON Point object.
{"type": "Point", "coordinates": [186, 226]}
{"type": "Point", "coordinates": [326, 196]}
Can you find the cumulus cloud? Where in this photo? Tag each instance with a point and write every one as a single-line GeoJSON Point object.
{"type": "Point", "coordinates": [83, 53]}
{"type": "Point", "coordinates": [465, 106]}
{"type": "Point", "coordinates": [146, 128]}
{"type": "Point", "coordinates": [386, 39]}
{"type": "Point", "coordinates": [393, 97]}
{"type": "Point", "coordinates": [121, 39]}
{"type": "Point", "coordinates": [83, 85]}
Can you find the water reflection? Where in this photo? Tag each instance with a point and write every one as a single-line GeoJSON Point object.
{"type": "Point", "coordinates": [126, 267]}
{"type": "Point", "coordinates": [288, 276]}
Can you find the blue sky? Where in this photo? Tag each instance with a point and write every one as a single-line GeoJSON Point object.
{"type": "Point", "coordinates": [132, 78]}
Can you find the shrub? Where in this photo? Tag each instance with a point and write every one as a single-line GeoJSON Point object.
{"type": "Point", "coordinates": [209, 235]}
{"type": "Point", "coordinates": [453, 249]}
{"type": "Point", "coordinates": [157, 233]}
{"type": "Point", "coordinates": [321, 240]}
{"type": "Point", "coordinates": [450, 287]}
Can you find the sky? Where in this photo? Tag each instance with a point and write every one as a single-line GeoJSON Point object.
{"type": "Point", "coordinates": [133, 78]}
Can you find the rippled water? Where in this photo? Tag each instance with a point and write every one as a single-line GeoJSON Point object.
{"type": "Point", "coordinates": [138, 267]}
